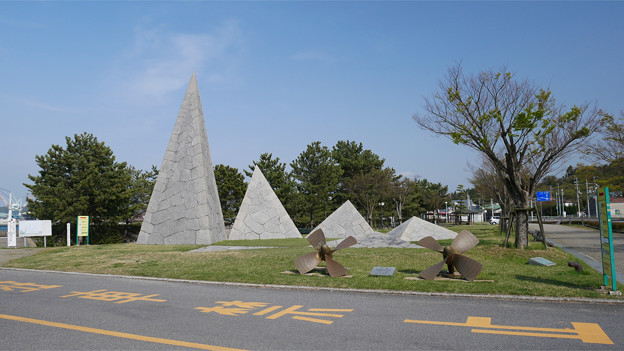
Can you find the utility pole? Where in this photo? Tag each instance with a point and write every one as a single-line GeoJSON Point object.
{"type": "Point", "coordinates": [550, 198]}
{"type": "Point", "coordinates": [595, 190]}
{"type": "Point", "coordinates": [557, 198]}
{"type": "Point", "coordinates": [578, 201]}
{"type": "Point", "coordinates": [587, 193]}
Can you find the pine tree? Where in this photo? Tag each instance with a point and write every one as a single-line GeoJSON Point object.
{"type": "Point", "coordinates": [232, 187]}
{"type": "Point", "coordinates": [81, 179]}
{"type": "Point", "coordinates": [318, 176]}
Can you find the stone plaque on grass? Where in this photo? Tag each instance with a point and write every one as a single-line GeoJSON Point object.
{"type": "Point", "coordinates": [540, 261]}
{"type": "Point", "coordinates": [383, 271]}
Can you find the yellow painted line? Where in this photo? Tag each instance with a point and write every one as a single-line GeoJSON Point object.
{"type": "Point", "coordinates": [322, 321]}
{"type": "Point", "coordinates": [591, 333]}
{"type": "Point", "coordinates": [118, 334]}
{"type": "Point", "coordinates": [267, 311]}
{"type": "Point", "coordinates": [486, 322]}
{"type": "Point", "coordinates": [540, 335]}
{"type": "Point", "coordinates": [587, 332]}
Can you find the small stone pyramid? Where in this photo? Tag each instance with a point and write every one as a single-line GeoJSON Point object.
{"type": "Point", "coordinates": [415, 229]}
{"type": "Point", "coordinates": [262, 215]}
{"type": "Point", "coordinates": [184, 207]}
{"type": "Point", "coordinates": [344, 222]}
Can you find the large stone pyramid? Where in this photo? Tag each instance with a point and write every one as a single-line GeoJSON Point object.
{"type": "Point", "coordinates": [262, 215]}
{"type": "Point", "coordinates": [184, 207]}
{"type": "Point", "coordinates": [415, 229]}
{"type": "Point", "coordinates": [346, 221]}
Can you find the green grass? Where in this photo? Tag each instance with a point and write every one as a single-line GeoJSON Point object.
{"type": "Point", "coordinates": [505, 271]}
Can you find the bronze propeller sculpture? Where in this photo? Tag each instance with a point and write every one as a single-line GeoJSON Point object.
{"type": "Point", "coordinates": [323, 252]}
{"type": "Point", "coordinates": [467, 267]}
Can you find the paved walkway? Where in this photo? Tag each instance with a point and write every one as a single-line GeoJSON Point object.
{"type": "Point", "coordinates": [584, 243]}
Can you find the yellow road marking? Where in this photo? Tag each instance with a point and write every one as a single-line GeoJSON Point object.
{"type": "Point", "coordinates": [267, 311]}
{"type": "Point", "coordinates": [315, 320]}
{"type": "Point", "coordinates": [118, 334]}
{"type": "Point", "coordinates": [104, 295]}
{"type": "Point", "coordinates": [24, 287]}
{"type": "Point", "coordinates": [587, 332]}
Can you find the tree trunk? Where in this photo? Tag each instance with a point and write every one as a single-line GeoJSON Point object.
{"type": "Point", "coordinates": [399, 209]}
{"type": "Point", "coordinates": [522, 228]}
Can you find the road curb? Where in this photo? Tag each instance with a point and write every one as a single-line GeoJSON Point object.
{"type": "Point", "coordinates": [360, 291]}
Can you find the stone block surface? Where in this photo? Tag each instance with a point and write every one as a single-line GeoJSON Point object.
{"type": "Point", "coordinates": [262, 215]}
{"type": "Point", "coordinates": [415, 229]}
{"type": "Point", "coordinates": [184, 207]}
{"type": "Point", "coordinates": [345, 221]}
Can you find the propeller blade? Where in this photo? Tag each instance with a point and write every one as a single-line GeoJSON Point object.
{"type": "Point", "coordinates": [464, 241]}
{"type": "Point", "coordinates": [316, 238]}
{"type": "Point", "coordinates": [432, 271]}
{"type": "Point", "coordinates": [346, 243]}
{"type": "Point", "coordinates": [334, 268]}
{"type": "Point", "coordinates": [430, 243]}
{"type": "Point", "coordinates": [467, 267]}
{"type": "Point", "coordinates": [307, 262]}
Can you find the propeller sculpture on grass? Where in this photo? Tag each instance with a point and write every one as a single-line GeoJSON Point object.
{"type": "Point", "coordinates": [323, 252]}
{"type": "Point", "coordinates": [467, 267]}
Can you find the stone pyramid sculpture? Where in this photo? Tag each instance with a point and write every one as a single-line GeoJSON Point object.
{"type": "Point", "coordinates": [344, 222]}
{"type": "Point", "coordinates": [415, 229]}
{"type": "Point", "coordinates": [184, 207]}
{"type": "Point", "coordinates": [262, 215]}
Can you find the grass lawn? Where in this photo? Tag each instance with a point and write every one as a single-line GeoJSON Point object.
{"type": "Point", "coordinates": [505, 270]}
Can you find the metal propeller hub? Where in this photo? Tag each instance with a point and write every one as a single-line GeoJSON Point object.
{"type": "Point", "coordinates": [323, 252]}
{"type": "Point", "coordinates": [452, 256]}
{"type": "Point", "coordinates": [449, 254]}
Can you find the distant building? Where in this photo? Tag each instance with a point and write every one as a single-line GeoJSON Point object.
{"type": "Point", "coordinates": [617, 207]}
{"type": "Point", "coordinates": [470, 212]}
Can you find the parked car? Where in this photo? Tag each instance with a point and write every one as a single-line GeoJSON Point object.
{"type": "Point", "coordinates": [495, 220]}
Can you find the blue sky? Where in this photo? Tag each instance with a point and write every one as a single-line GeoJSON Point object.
{"type": "Point", "coordinates": [275, 76]}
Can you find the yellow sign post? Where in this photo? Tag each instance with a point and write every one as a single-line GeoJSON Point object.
{"type": "Point", "coordinates": [82, 229]}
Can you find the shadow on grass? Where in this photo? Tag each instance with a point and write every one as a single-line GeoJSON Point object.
{"type": "Point", "coordinates": [553, 282]}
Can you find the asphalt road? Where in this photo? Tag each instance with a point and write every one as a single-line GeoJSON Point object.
{"type": "Point", "coordinates": [60, 311]}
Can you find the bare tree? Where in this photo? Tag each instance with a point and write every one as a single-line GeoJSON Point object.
{"type": "Point", "coordinates": [610, 148]}
{"type": "Point", "coordinates": [400, 190]}
{"type": "Point", "coordinates": [487, 183]}
{"type": "Point", "coordinates": [370, 188]}
{"type": "Point", "coordinates": [516, 126]}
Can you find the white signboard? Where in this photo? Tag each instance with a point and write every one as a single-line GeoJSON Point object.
{"type": "Point", "coordinates": [35, 228]}
{"type": "Point", "coordinates": [11, 233]}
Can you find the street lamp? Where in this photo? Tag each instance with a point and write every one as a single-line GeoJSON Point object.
{"type": "Point", "coordinates": [446, 212]}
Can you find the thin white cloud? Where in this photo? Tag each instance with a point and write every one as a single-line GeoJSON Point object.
{"type": "Point", "coordinates": [161, 62]}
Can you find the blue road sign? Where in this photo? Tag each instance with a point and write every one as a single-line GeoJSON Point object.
{"type": "Point", "coordinates": [543, 196]}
